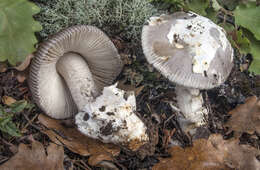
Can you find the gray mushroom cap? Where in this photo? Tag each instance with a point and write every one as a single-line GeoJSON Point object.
{"type": "Point", "coordinates": [188, 49]}
{"type": "Point", "coordinates": [49, 89]}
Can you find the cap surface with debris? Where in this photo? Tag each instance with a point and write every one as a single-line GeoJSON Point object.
{"type": "Point", "coordinates": [188, 49]}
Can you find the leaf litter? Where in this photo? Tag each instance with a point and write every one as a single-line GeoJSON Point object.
{"type": "Point", "coordinates": [35, 157]}
{"type": "Point", "coordinates": [78, 143]}
{"type": "Point", "coordinates": [245, 117]}
{"type": "Point", "coordinates": [212, 154]}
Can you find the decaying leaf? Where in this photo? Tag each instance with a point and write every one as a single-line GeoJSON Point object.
{"type": "Point", "coordinates": [77, 142]}
{"type": "Point", "coordinates": [201, 156]}
{"type": "Point", "coordinates": [245, 117]}
{"type": "Point", "coordinates": [212, 154]}
{"type": "Point", "coordinates": [35, 158]}
{"type": "Point", "coordinates": [234, 155]}
{"type": "Point", "coordinates": [3, 67]}
{"type": "Point", "coordinates": [7, 100]}
{"type": "Point", "coordinates": [21, 77]}
{"type": "Point", "coordinates": [125, 87]}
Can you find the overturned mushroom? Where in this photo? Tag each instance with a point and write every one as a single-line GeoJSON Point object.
{"type": "Point", "coordinates": [67, 76]}
{"type": "Point", "coordinates": [191, 51]}
{"type": "Point", "coordinates": [84, 58]}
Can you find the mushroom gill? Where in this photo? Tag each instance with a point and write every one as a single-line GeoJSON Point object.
{"type": "Point", "coordinates": [72, 67]}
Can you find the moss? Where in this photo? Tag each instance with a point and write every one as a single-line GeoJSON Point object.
{"type": "Point", "coordinates": [115, 17]}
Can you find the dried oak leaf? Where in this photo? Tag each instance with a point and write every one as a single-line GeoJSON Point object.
{"type": "Point", "coordinates": [212, 154]}
{"type": "Point", "coordinates": [34, 157]}
{"type": "Point", "coordinates": [245, 117]}
{"type": "Point", "coordinates": [77, 142]}
{"type": "Point", "coordinates": [203, 155]}
{"type": "Point", "coordinates": [7, 100]}
{"type": "Point", "coordinates": [236, 156]}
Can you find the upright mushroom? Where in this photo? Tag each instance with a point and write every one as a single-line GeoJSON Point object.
{"type": "Point", "coordinates": [191, 51]}
{"type": "Point", "coordinates": [67, 76]}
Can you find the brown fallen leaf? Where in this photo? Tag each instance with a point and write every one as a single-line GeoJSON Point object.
{"type": "Point", "coordinates": [3, 67]}
{"type": "Point", "coordinates": [77, 142]}
{"type": "Point", "coordinates": [212, 154]}
{"type": "Point", "coordinates": [236, 156]}
{"type": "Point", "coordinates": [245, 117]}
{"type": "Point", "coordinates": [21, 77]}
{"type": "Point", "coordinates": [35, 158]}
{"type": "Point", "coordinates": [7, 100]}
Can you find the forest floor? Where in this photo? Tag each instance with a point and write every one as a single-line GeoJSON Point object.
{"type": "Point", "coordinates": [154, 96]}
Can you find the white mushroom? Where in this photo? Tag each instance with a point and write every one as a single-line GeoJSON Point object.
{"type": "Point", "coordinates": [68, 74]}
{"type": "Point", "coordinates": [111, 118]}
{"type": "Point", "coordinates": [191, 51]}
{"type": "Point", "coordinates": [84, 58]}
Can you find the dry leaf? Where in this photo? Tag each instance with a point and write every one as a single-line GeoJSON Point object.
{"type": "Point", "coordinates": [25, 63]}
{"type": "Point", "coordinates": [245, 117]}
{"type": "Point", "coordinates": [35, 158]}
{"type": "Point", "coordinates": [125, 87]}
{"type": "Point", "coordinates": [3, 67]}
{"type": "Point", "coordinates": [200, 156]}
{"type": "Point", "coordinates": [7, 100]}
{"type": "Point", "coordinates": [212, 154]}
{"type": "Point", "coordinates": [236, 156]}
{"type": "Point", "coordinates": [77, 142]}
{"type": "Point", "coordinates": [21, 77]}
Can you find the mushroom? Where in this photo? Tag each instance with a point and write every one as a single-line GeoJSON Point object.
{"type": "Point", "coordinates": [191, 51]}
{"type": "Point", "coordinates": [111, 118]}
{"type": "Point", "coordinates": [67, 76]}
{"type": "Point", "coordinates": [71, 68]}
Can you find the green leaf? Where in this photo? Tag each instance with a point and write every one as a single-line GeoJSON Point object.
{"type": "Point", "coordinates": [17, 28]}
{"type": "Point", "coordinates": [212, 14]}
{"type": "Point", "coordinates": [228, 4]}
{"type": "Point", "coordinates": [216, 5]}
{"type": "Point", "coordinates": [12, 130]}
{"type": "Point", "coordinates": [198, 6]}
{"type": "Point", "coordinates": [248, 16]}
{"type": "Point", "coordinates": [255, 51]}
{"type": "Point", "coordinates": [7, 126]}
{"type": "Point", "coordinates": [18, 106]}
{"type": "Point", "coordinates": [242, 42]}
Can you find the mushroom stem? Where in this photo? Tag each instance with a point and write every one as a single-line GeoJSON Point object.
{"type": "Point", "coordinates": [75, 71]}
{"type": "Point", "coordinates": [190, 102]}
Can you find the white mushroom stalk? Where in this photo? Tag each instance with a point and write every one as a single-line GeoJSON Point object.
{"type": "Point", "coordinates": [191, 51]}
{"type": "Point", "coordinates": [112, 119]}
{"type": "Point", "coordinates": [190, 102]}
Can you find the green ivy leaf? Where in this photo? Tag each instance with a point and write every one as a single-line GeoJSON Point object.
{"type": "Point", "coordinates": [255, 51]}
{"type": "Point", "coordinates": [17, 28]}
{"type": "Point", "coordinates": [242, 42]}
{"type": "Point", "coordinates": [248, 16]}
{"type": "Point", "coordinates": [198, 6]}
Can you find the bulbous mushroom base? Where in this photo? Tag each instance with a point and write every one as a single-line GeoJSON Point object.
{"type": "Point", "coordinates": [190, 102]}
{"type": "Point", "coordinates": [111, 118]}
